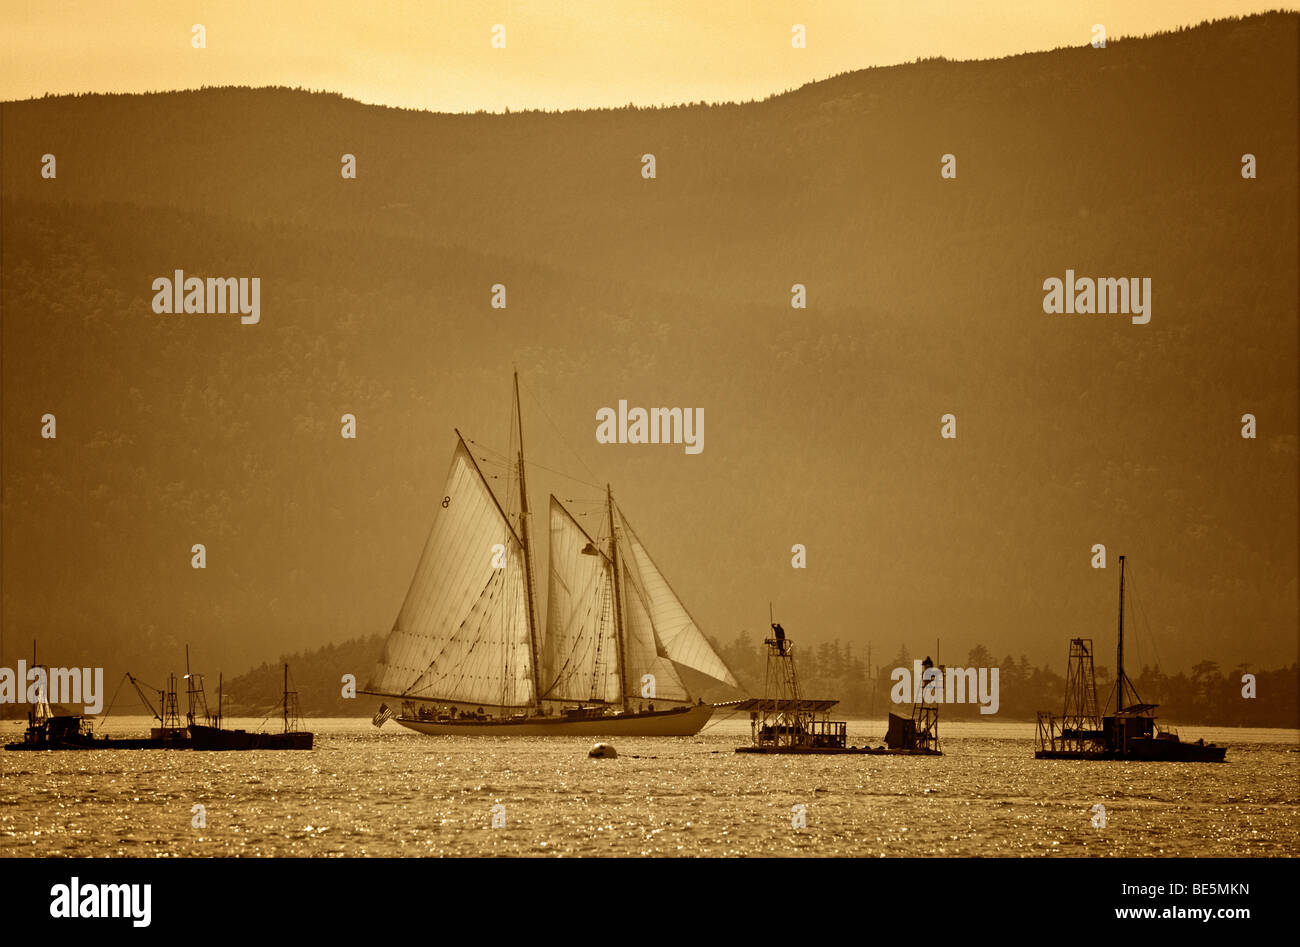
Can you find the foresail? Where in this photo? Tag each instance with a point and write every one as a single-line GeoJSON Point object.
{"type": "Point", "coordinates": [580, 653]}
{"type": "Point", "coordinates": [680, 639]}
{"type": "Point", "coordinates": [462, 632]}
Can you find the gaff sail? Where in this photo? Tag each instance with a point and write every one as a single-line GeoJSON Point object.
{"type": "Point", "coordinates": [580, 653]}
{"type": "Point", "coordinates": [462, 633]}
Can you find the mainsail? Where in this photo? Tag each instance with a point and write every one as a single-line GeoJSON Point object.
{"type": "Point", "coordinates": [592, 597]}
{"type": "Point", "coordinates": [580, 656]}
{"type": "Point", "coordinates": [463, 631]}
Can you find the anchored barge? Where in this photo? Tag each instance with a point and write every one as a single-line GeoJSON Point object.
{"type": "Point", "coordinates": [1130, 732]}
{"type": "Point", "coordinates": [785, 722]}
{"type": "Point", "coordinates": [47, 730]}
{"type": "Point", "coordinates": [213, 737]}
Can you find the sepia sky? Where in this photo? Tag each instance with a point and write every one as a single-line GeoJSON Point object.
{"type": "Point", "coordinates": [823, 426]}
{"type": "Point", "coordinates": [558, 55]}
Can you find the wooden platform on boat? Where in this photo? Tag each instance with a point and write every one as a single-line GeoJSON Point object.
{"type": "Point", "coordinates": [836, 751]}
{"type": "Point", "coordinates": [804, 705]}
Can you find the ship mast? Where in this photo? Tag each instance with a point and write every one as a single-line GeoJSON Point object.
{"type": "Point", "coordinates": [524, 516]}
{"type": "Point", "coordinates": [618, 602]}
{"type": "Point", "coordinates": [1119, 651]}
{"type": "Point", "coordinates": [189, 687]}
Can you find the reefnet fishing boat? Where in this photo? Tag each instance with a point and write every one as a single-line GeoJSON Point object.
{"type": "Point", "coordinates": [1130, 732]}
{"type": "Point", "coordinates": [212, 736]}
{"type": "Point", "coordinates": [47, 730]}
{"type": "Point", "coordinates": [784, 721]}
{"type": "Point", "coordinates": [467, 654]}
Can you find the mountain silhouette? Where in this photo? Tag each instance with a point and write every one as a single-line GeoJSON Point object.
{"type": "Point", "coordinates": [823, 424]}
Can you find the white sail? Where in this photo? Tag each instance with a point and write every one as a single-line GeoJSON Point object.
{"type": "Point", "coordinates": [580, 653]}
{"type": "Point", "coordinates": [643, 649]}
{"type": "Point", "coordinates": [678, 637]}
{"type": "Point", "coordinates": [462, 633]}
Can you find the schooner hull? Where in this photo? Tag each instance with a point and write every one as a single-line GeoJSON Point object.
{"type": "Point", "coordinates": [676, 722]}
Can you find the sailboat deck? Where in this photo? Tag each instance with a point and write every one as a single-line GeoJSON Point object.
{"type": "Point", "coordinates": [785, 705]}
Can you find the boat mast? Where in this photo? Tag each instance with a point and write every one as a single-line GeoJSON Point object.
{"type": "Point", "coordinates": [524, 517]}
{"type": "Point", "coordinates": [31, 714]}
{"type": "Point", "coordinates": [286, 697]}
{"type": "Point", "coordinates": [1119, 651]}
{"type": "Point", "coordinates": [618, 602]}
{"type": "Point", "coordinates": [872, 678]}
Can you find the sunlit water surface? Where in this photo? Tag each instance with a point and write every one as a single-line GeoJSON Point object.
{"type": "Point", "coordinates": [386, 792]}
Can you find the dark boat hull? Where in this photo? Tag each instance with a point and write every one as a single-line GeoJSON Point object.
{"type": "Point", "coordinates": [103, 743]}
{"type": "Point", "coordinates": [1144, 751]}
{"type": "Point", "coordinates": [72, 732]}
{"type": "Point", "coordinates": [214, 738]}
{"type": "Point", "coordinates": [676, 722]}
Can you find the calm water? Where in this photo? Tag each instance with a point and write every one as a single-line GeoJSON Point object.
{"type": "Point", "coordinates": [364, 791]}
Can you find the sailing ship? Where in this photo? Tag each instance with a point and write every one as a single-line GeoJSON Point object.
{"type": "Point", "coordinates": [1130, 732]}
{"type": "Point", "coordinates": [212, 736]}
{"type": "Point", "coordinates": [468, 654]}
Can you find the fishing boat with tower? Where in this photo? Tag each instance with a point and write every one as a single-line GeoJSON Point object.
{"type": "Point", "coordinates": [1129, 732]}
{"type": "Point", "coordinates": [48, 730]}
{"type": "Point", "coordinates": [468, 653]}
{"type": "Point", "coordinates": [212, 736]}
{"type": "Point", "coordinates": [784, 721]}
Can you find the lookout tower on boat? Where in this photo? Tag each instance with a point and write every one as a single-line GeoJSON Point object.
{"type": "Point", "coordinates": [782, 721]}
{"type": "Point", "coordinates": [1081, 732]}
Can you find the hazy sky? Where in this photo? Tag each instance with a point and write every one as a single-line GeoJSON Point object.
{"type": "Point", "coordinates": [571, 54]}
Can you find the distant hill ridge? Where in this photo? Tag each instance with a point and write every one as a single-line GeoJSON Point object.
{"type": "Point", "coordinates": [317, 675]}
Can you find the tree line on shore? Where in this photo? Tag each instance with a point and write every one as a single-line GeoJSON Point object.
{"type": "Point", "coordinates": [1207, 695]}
